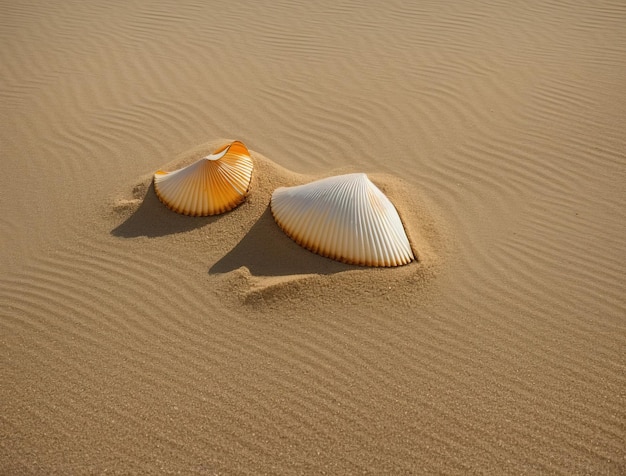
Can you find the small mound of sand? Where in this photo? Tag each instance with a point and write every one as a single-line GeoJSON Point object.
{"type": "Point", "coordinates": [258, 264]}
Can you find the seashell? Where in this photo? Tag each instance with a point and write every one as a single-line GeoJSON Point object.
{"type": "Point", "coordinates": [214, 184]}
{"type": "Point", "coordinates": [346, 218]}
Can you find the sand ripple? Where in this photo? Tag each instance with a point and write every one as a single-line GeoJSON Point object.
{"type": "Point", "coordinates": [137, 340]}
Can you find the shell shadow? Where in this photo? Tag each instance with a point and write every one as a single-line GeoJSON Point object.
{"type": "Point", "coordinates": [153, 219]}
{"type": "Point", "coordinates": [266, 251]}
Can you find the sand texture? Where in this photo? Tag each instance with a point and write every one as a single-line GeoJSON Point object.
{"type": "Point", "coordinates": [137, 340]}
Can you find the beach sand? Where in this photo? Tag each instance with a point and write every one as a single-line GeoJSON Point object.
{"type": "Point", "coordinates": [136, 340]}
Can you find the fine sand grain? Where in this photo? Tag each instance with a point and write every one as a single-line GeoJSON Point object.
{"type": "Point", "coordinates": [137, 340]}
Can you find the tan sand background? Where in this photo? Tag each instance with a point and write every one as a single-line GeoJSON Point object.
{"type": "Point", "coordinates": [136, 340]}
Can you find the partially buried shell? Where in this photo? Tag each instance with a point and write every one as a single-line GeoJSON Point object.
{"type": "Point", "coordinates": [346, 218]}
{"type": "Point", "coordinates": [214, 184]}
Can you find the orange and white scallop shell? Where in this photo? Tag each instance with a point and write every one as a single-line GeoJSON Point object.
{"type": "Point", "coordinates": [346, 218]}
{"type": "Point", "coordinates": [212, 185]}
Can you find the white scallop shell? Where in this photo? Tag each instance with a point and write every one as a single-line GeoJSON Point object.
{"type": "Point", "coordinates": [346, 218]}
{"type": "Point", "coordinates": [214, 184]}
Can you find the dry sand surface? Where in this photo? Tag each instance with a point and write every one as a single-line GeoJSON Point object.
{"type": "Point", "coordinates": [137, 340]}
